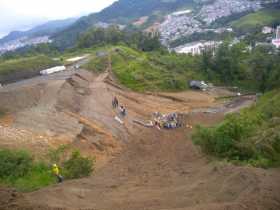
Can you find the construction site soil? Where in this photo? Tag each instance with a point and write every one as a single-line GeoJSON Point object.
{"type": "Point", "coordinates": [137, 167]}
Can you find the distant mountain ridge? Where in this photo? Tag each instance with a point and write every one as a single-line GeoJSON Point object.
{"type": "Point", "coordinates": [46, 29]}
{"type": "Point", "coordinates": [205, 16]}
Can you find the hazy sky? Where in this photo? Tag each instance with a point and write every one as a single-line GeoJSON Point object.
{"type": "Point", "coordinates": [23, 14]}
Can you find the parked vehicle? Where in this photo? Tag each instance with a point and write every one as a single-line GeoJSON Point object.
{"type": "Point", "coordinates": [53, 70]}
{"type": "Point", "coordinates": [199, 85]}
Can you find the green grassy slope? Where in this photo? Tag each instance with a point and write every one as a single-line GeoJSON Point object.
{"type": "Point", "coordinates": [257, 19]}
{"type": "Point", "coordinates": [251, 137]}
{"type": "Point", "coordinates": [142, 71]}
{"type": "Point", "coordinates": [22, 68]}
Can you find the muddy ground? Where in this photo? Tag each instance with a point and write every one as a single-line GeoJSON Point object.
{"type": "Point", "coordinates": [138, 167]}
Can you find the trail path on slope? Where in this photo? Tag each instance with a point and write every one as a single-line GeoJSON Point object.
{"type": "Point", "coordinates": [158, 169]}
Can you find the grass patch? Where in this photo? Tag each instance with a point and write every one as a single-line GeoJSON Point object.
{"type": "Point", "coordinates": [22, 68]}
{"type": "Point", "coordinates": [154, 71]}
{"type": "Point", "coordinates": [250, 137]}
{"type": "Point", "coordinates": [19, 169]}
{"type": "Point", "coordinates": [258, 19]}
{"type": "Point", "coordinates": [97, 64]}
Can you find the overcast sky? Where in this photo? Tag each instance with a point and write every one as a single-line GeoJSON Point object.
{"type": "Point", "coordinates": [23, 14]}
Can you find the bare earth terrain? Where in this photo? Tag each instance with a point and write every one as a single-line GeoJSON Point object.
{"type": "Point", "coordinates": [137, 167]}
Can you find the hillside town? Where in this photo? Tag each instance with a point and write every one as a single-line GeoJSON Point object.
{"type": "Point", "coordinates": [23, 42]}
{"type": "Point", "coordinates": [180, 24]}
{"type": "Point", "coordinates": [196, 48]}
{"type": "Point", "coordinates": [223, 8]}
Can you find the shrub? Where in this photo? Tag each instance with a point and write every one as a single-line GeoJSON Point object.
{"type": "Point", "coordinates": [39, 176]}
{"type": "Point", "coordinates": [77, 166]}
{"type": "Point", "coordinates": [18, 169]}
{"type": "Point", "coordinates": [252, 136]}
{"type": "Point", "coordinates": [14, 164]}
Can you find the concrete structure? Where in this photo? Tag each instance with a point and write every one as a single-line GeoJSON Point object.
{"type": "Point", "coordinates": [267, 30]}
{"type": "Point", "coordinates": [276, 41]}
{"type": "Point", "coordinates": [196, 48]}
{"type": "Point", "coordinates": [278, 32]}
{"type": "Point", "coordinates": [52, 70]}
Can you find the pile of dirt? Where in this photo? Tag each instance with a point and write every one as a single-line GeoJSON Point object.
{"type": "Point", "coordinates": [73, 92]}
{"type": "Point", "coordinates": [36, 117]}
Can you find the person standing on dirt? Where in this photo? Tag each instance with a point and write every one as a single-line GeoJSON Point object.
{"type": "Point", "coordinates": [55, 171]}
{"type": "Point", "coordinates": [115, 102]}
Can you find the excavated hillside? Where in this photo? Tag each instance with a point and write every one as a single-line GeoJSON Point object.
{"type": "Point", "coordinates": [138, 167]}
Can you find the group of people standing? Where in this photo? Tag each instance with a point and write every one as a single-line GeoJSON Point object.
{"type": "Point", "coordinates": [115, 104]}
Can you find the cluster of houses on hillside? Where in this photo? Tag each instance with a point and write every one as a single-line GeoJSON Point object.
{"type": "Point", "coordinates": [22, 42]}
{"type": "Point", "coordinates": [196, 48]}
{"type": "Point", "coordinates": [177, 26]}
{"type": "Point", "coordinates": [187, 22]}
{"type": "Point", "coordinates": [223, 8]}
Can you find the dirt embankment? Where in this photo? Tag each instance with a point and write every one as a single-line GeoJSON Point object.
{"type": "Point", "coordinates": [139, 168]}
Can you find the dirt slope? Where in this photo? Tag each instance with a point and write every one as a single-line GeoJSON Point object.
{"type": "Point", "coordinates": [146, 168]}
{"type": "Point", "coordinates": [163, 170]}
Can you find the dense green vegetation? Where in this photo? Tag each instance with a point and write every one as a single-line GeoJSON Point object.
{"type": "Point", "coordinates": [254, 21]}
{"type": "Point", "coordinates": [77, 166]}
{"type": "Point", "coordinates": [237, 65]}
{"type": "Point", "coordinates": [257, 70]}
{"type": "Point", "coordinates": [252, 137]}
{"type": "Point", "coordinates": [20, 170]}
{"type": "Point", "coordinates": [12, 70]}
{"type": "Point", "coordinates": [113, 35]}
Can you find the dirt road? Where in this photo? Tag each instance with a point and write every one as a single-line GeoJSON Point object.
{"type": "Point", "coordinates": [145, 168]}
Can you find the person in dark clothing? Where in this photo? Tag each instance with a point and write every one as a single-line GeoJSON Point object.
{"type": "Point", "coordinates": [115, 102]}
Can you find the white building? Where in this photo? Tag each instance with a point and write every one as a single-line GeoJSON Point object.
{"type": "Point", "coordinates": [196, 48]}
{"type": "Point", "coordinates": [278, 32]}
{"type": "Point", "coordinates": [267, 30]}
{"type": "Point", "coordinates": [276, 41]}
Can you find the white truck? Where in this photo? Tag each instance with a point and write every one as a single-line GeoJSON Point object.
{"type": "Point", "coordinates": [53, 70]}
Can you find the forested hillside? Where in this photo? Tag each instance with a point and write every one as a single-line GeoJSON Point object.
{"type": "Point", "coordinates": [121, 12]}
